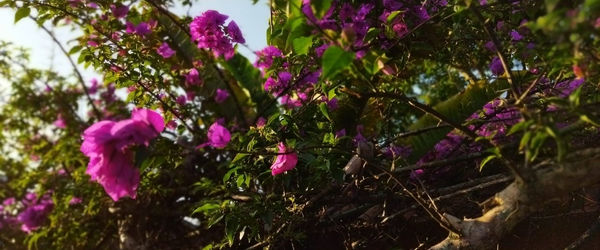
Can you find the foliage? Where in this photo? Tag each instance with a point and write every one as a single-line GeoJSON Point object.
{"type": "Point", "coordinates": [368, 105]}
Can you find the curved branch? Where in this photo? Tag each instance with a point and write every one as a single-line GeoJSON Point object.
{"type": "Point", "coordinates": [517, 201]}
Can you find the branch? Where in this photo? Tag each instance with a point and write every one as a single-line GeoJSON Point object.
{"type": "Point", "coordinates": [77, 73]}
{"type": "Point", "coordinates": [517, 201]}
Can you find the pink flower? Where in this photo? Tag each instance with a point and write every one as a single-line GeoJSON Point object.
{"type": "Point", "coordinates": [119, 11]}
{"type": "Point", "coordinates": [75, 201]}
{"type": "Point", "coordinates": [94, 88]}
{"type": "Point", "coordinates": [9, 201]}
{"type": "Point", "coordinates": [261, 122]}
{"type": "Point", "coordinates": [35, 213]}
{"type": "Point", "coordinates": [60, 122]}
{"type": "Point", "coordinates": [165, 51]}
{"type": "Point", "coordinates": [496, 66]}
{"type": "Point", "coordinates": [285, 160]}
{"type": "Point", "coordinates": [265, 57]}
{"type": "Point", "coordinates": [221, 95]}
{"type": "Point", "coordinates": [235, 33]}
{"type": "Point", "coordinates": [193, 77]}
{"type": "Point", "coordinates": [218, 136]}
{"type": "Point", "coordinates": [107, 145]}
{"type": "Point", "coordinates": [209, 31]}
{"type": "Point", "coordinates": [172, 124]}
{"type": "Point", "coordinates": [141, 29]}
{"type": "Point", "coordinates": [181, 100]}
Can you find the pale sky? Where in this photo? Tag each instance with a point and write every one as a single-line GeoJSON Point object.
{"type": "Point", "coordinates": [252, 20]}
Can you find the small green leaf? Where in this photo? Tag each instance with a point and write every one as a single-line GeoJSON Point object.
{"type": "Point", "coordinates": [323, 108]}
{"type": "Point", "coordinates": [334, 60]}
{"type": "Point", "coordinates": [208, 207]}
{"type": "Point", "coordinates": [486, 160]}
{"type": "Point", "coordinates": [302, 44]}
{"type": "Point", "coordinates": [22, 13]}
{"type": "Point", "coordinates": [320, 7]}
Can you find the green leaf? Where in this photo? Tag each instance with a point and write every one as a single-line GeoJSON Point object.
{"type": "Point", "coordinates": [206, 208]}
{"type": "Point", "coordinates": [323, 108]}
{"type": "Point", "coordinates": [551, 4]}
{"type": "Point", "coordinates": [22, 13]}
{"type": "Point", "coordinates": [486, 160]}
{"type": "Point", "coordinates": [334, 60]}
{"type": "Point", "coordinates": [302, 45]}
{"type": "Point", "coordinates": [457, 109]}
{"type": "Point", "coordinates": [238, 157]}
{"type": "Point", "coordinates": [320, 7]}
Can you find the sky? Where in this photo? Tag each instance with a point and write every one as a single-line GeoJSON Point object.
{"type": "Point", "coordinates": [44, 54]}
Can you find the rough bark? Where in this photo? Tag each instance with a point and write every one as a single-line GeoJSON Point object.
{"type": "Point", "coordinates": [517, 201]}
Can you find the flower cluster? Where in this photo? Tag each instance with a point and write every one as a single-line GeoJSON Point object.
{"type": "Point", "coordinates": [108, 143]}
{"type": "Point", "coordinates": [210, 32]}
{"type": "Point", "coordinates": [35, 213]}
{"type": "Point", "coordinates": [266, 56]}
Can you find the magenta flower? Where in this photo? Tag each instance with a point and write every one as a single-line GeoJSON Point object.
{"type": "Point", "coordinates": [193, 77]}
{"type": "Point", "coordinates": [321, 49]}
{"type": "Point", "coordinates": [340, 133]}
{"type": "Point", "coordinates": [218, 136]}
{"type": "Point", "coordinates": [221, 95]}
{"type": "Point", "coordinates": [496, 66]}
{"type": "Point", "coordinates": [35, 213]}
{"type": "Point", "coordinates": [107, 144]}
{"type": "Point", "coordinates": [332, 104]}
{"type": "Point", "coordinates": [209, 31]}
{"type": "Point", "coordinates": [75, 201]}
{"type": "Point", "coordinates": [261, 122]}
{"type": "Point", "coordinates": [60, 122]}
{"type": "Point", "coordinates": [165, 51]}
{"type": "Point", "coordinates": [9, 201]}
{"type": "Point", "coordinates": [515, 36]}
{"type": "Point", "coordinates": [181, 100]}
{"type": "Point", "coordinates": [235, 33]}
{"type": "Point", "coordinates": [94, 87]}
{"type": "Point", "coordinates": [141, 29]}
{"type": "Point", "coordinates": [265, 57]}
{"type": "Point", "coordinates": [285, 161]}
{"type": "Point", "coordinates": [119, 11]}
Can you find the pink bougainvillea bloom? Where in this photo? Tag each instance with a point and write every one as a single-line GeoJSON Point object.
{"type": "Point", "coordinates": [171, 124]}
{"type": "Point", "coordinates": [92, 43]}
{"type": "Point", "coordinates": [321, 49]}
{"type": "Point", "coordinates": [496, 66]}
{"type": "Point", "coordinates": [140, 29]}
{"type": "Point", "coordinates": [92, 5]}
{"type": "Point", "coordinates": [209, 32]}
{"type": "Point", "coordinates": [261, 122]}
{"type": "Point", "coordinates": [515, 36]}
{"type": "Point", "coordinates": [119, 11]}
{"type": "Point", "coordinates": [265, 57]}
{"type": "Point", "coordinates": [235, 33]}
{"type": "Point", "coordinates": [60, 122]}
{"type": "Point", "coordinates": [9, 201]}
{"type": "Point", "coordinates": [285, 161]}
{"type": "Point", "coordinates": [35, 213]}
{"type": "Point", "coordinates": [181, 100]}
{"type": "Point", "coordinates": [218, 135]}
{"type": "Point", "coordinates": [165, 51]}
{"type": "Point", "coordinates": [340, 133]}
{"type": "Point", "coordinates": [107, 143]}
{"type": "Point", "coordinates": [332, 104]}
{"type": "Point", "coordinates": [75, 201]}
{"type": "Point", "coordinates": [221, 95]}
{"type": "Point", "coordinates": [193, 77]}
{"type": "Point", "coordinates": [94, 87]}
